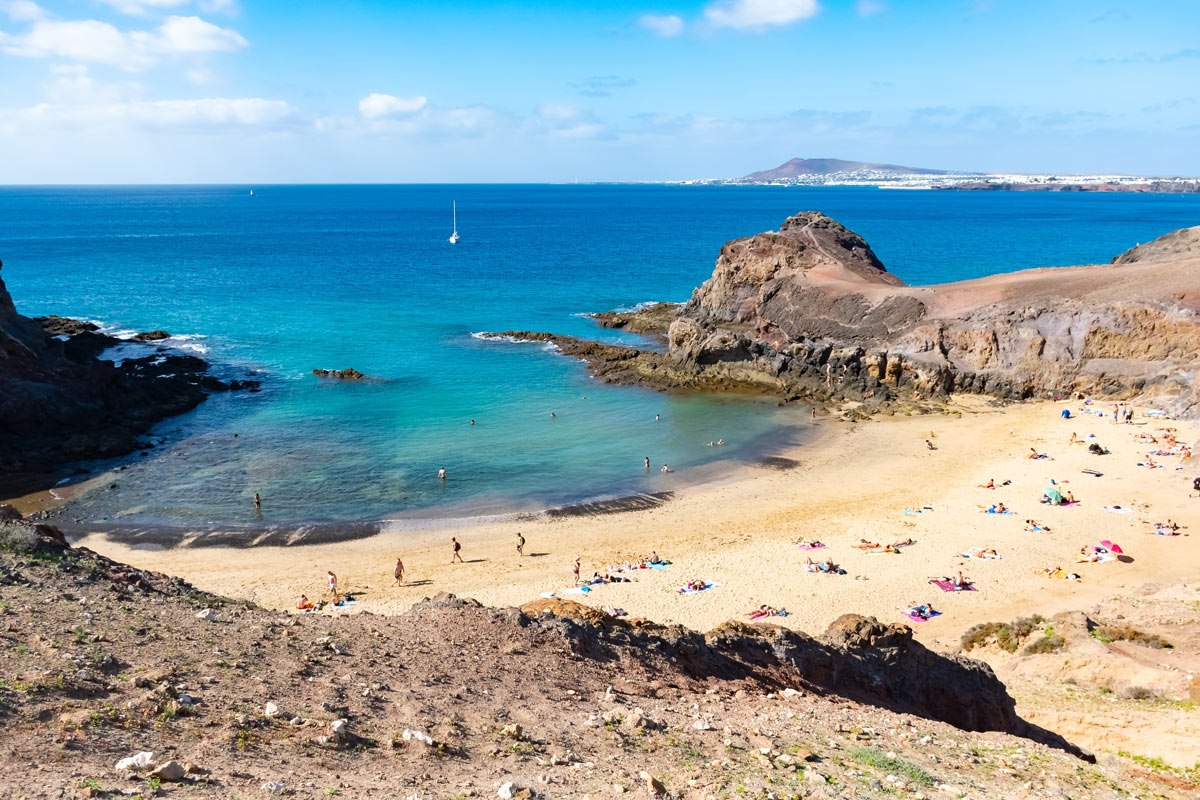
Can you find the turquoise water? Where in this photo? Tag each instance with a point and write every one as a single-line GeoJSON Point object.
{"type": "Point", "coordinates": [298, 277]}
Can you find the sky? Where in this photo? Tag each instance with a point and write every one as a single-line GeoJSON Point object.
{"type": "Point", "coordinates": [273, 91]}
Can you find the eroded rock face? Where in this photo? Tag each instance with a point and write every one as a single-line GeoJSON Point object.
{"type": "Point", "coordinates": [810, 312]}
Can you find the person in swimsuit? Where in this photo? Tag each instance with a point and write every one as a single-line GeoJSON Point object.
{"type": "Point", "coordinates": [576, 570]}
{"type": "Point", "coordinates": [257, 500]}
{"type": "Point", "coordinates": [648, 467]}
{"type": "Point", "coordinates": [333, 587]}
{"type": "Point", "coordinates": [442, 473]}
{"type": "Point", "coordinates": [399, 573]}
{"type": "Point", "coordinates": [457, 550]}
{"type": "Point", "coordinates": [520, 545]}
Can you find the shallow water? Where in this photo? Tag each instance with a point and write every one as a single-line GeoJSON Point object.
{"type": "Point", "coordinates": [300, 277]}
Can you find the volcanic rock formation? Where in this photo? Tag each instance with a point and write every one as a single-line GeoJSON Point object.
{"type": "Point", "coordinates": [809, 312]}
{"type": "Point", "coordinates": [60, 403]}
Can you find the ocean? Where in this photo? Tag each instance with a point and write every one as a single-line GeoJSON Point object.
{"type": "Point", "coordinates": [301, 277]}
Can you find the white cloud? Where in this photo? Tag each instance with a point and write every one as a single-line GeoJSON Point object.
{"type": "Point", "coordinates": [22, 10]}
{"type": "Point", "coordinates": [102, 43]}
{"type": "Point", "coordinates": [759, 13]}
{"type": "Point", "coordinates": [662, 24]}
{"type": "Point", "coordinates": [381, 106]}
{"type": "Point", "coordinates": [140, 7]}
{"type": "Point", "coordinates": [870, 8]}
{"type": "Point", "coordinates": [203, 113]}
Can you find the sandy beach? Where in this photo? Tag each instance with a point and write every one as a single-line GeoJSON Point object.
{"type": "Point", "coordinates": [853, 483]}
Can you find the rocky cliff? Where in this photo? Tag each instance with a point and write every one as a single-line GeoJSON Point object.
{"type": "Point", "coordinates": [809, 312]}
{"type": "Point", "coordinates": [60, 403]}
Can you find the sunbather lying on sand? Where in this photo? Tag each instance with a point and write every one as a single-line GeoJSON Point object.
{"type": "Point", "coordinates": [998, 508]}
{"type": "Point", "coordinates": [804, 541]}
{"type": "Point", "coordinates": [922, 610]}
{"type": "Point", "coordinates": [958, 580]}
{"type": "Point", "coordinates": [991, 484]}
{"type": "Point", "coordinates": [901, 543]}
{"type": "Point", "coordinates": [863, 544]}
{"type": "Point", "coordinates": [1059, 572]}
{"type": "Point", "coordinates": [826, 566]}
{"type": "Point", "coordinates": [765, 611]}
{"type": "Point", "coordinates": [1034, 526]}
{"type": "Point", "coordinates": [695, 586]}
{"type": "Point", "coordinates": [981, 552]}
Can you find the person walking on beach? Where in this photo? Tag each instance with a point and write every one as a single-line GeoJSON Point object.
{"type": "Point", "coordinates": [399, 573]}
{"type": "Point", "coordinates": [457, 550]}
{"type": "Point", "coordinates": [333, 588]}
{"type": "Point", "coordinates": [576, 570]}
{"type": "Point", "coordinates": [520, 545]}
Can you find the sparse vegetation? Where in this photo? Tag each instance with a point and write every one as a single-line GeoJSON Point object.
{"type": "Point", "coordinates": [1007, 636]}
{"type": "Point", "coordinates": [1127, 633]}
{"type": "Point", "coordinates": [874, 757]}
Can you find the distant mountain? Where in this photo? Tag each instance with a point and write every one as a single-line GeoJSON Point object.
{"type": "Point", "coordinates": [826, 166]}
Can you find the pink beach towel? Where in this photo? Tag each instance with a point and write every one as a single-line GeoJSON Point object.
{"type": "Point", "coordinates": [948, 586]}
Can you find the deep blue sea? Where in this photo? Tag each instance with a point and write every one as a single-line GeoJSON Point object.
{"type": "Point", "coordinates": [298, 277]}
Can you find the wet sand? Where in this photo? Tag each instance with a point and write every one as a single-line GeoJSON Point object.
{"type": "Point", "coordinates": [853, 483]}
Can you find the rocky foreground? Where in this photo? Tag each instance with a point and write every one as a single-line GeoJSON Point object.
{"type": "Point", "coordinates": [60, 402]}
{"type": "Point", "coordinates": [118, 681]}
{"type": "Point", "coordinates": [809, 312]}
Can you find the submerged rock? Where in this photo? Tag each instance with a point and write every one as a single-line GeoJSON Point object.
{"type": "Point", "coordinates": [342, 374]}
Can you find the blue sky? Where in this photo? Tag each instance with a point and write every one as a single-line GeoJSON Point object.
{"type": "Point", "coordinates": [102, 91]}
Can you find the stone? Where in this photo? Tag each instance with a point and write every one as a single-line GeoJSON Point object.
{"type": "Point", "coordinates": [136, 762]}
{"type": "Point", "coordinates": [208, 615]}
{"type": "Point", "coordinates": [653, 785]}
{"type": "Point", "coordinates": [513, 731]}
{"type": "Point", "coordinates": [170, 771]}
{"type": "Point", "coordinates": [271, 710]}
{"type": "Point", "coordinates": [338, 726]}
{"type": "Point", "coordinates": [273, 787]}
{"type": "Point", "coordinates": [507, 791]}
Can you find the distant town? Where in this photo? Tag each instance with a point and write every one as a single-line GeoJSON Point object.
{"type": "Point", "coordinates": [836, 172]}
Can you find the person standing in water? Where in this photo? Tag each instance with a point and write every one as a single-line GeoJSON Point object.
{"type": "Point", "coordinates": [647, 462]}
{"type": "Point", "coordinates": [442, 473]}
{"type": "Point", "coordinates": [457, 550]}
{"type": "Point", "coordinates": [399, 573]}
{"type": "Point", "coordinates": [257, 500]}
{"type": "Point", "coordinates": [520, 545]}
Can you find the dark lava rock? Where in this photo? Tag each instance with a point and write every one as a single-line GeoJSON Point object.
{"type": "Point", "coordinates": [151, 336]}
{"type": "Point", "coordinates": [343, 374]}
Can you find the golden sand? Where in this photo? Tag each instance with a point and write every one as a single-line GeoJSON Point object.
{"type": "Point", "coordinates": [852, 484]}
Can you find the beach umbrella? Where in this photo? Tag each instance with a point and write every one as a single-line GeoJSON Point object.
{"type": "Point", "coordinates": [1054, 494]}
{"type": "Point", "coordinates": [1116, 548]}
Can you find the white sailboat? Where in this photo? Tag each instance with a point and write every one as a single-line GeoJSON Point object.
{"type": "Point", "coordinates": [454, 235]}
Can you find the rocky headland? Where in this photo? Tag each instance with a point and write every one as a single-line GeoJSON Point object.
{"type": "Point", "coordinates": [61, 403]}
{"type": "Point", "coordinates": [809, 312]}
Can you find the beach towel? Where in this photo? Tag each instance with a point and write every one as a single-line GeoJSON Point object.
{"type": "Point", "coordinates": [707, 586]}
{"type": "Point", "coordinates": [807, 546]}
{"type": "Point", "coordinates": [980, 556]}
{"type": "Point", "coordinates": [547, 595]}
{"type": "Point", "coordinates": [998, 513]}
{"type": "Point", "coordinates": [658, 566]}
{"type": "Point", "coordinates": [1118, 509]}
{"type": "Point", "coordinates": [577, 590]}
{"type": "Point", "coordinates": [1164, 532]}
{"type": "Point", "coordinates": [948, 586]}
{"type": "Point", "coordinates": [908, 613]}
{"type": "Point", "coordinates": [816, 569]}
{"type": "Point", "coordinates": [1103, 559]}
